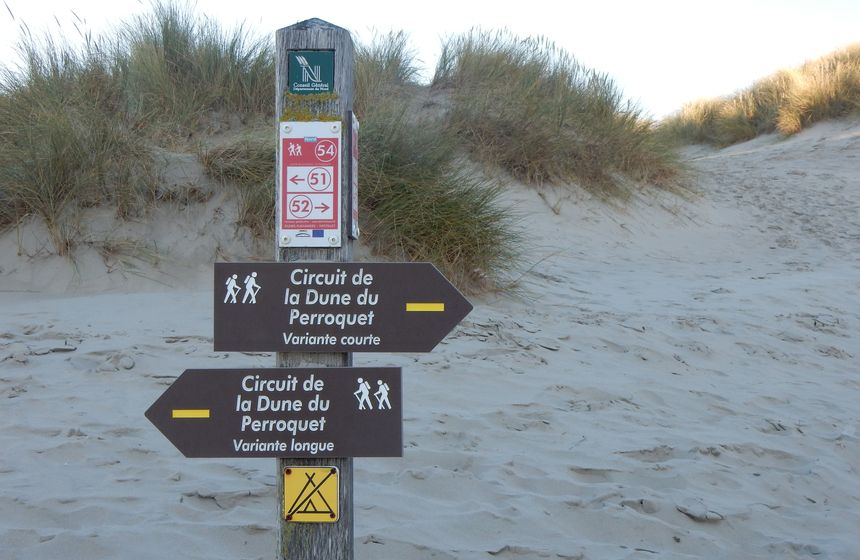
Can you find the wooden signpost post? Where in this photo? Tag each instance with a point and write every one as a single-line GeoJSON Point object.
{"type": "Point", "coordinates": [314, 412]}
{"type": "Point", "coordinates": [314, 82]}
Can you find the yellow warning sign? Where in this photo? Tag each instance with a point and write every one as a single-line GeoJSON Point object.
{"type": "Point", "coordinates": [311, 494]}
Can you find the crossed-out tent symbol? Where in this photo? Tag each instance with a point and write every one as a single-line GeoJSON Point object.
{"type": "Point", "coordinates": [304, 502]}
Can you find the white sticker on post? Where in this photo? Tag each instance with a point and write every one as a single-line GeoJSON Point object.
{"type": "Point", "coordinates": [308, 205]}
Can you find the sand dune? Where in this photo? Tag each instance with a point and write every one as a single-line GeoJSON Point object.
{"type": "Point", "coordinates": [674, 380]}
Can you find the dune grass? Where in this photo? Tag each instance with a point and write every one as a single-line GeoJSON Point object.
{"type": "Point", "coordinates": [178, 67]}
{"type": "Point", "coordinates": [77, 128]}
{"type": "Point", "coordinates": [418, 201]}
{"type": "Point", "coordinates": [533, 109]}
{"type": "Point", "coordinates": [65, 143]}
{"type": "Point", "coordinates": [418, 204]}
{"type": "Point", "coordinates": [77, 124]}
{"type": "Point", "coordinates": [383, 66]}
{"type": "Point", "coordinates": [786, 102]}
{"type": "Point", "coordinates": [249, 164]}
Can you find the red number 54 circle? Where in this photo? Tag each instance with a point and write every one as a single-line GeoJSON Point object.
{"type": "Point", "coordinates": [325, 150]}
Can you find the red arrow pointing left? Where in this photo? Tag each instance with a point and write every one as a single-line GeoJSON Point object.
{"type": "Point", "coordinates": [295, 179]}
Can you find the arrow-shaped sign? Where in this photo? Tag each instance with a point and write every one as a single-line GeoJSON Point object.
{"type": "Point", "coordinates": [283, 412]}
{"type": "Point", "coordinates": [333, 307]}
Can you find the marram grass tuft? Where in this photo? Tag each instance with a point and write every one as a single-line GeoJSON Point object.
{"type": "Point", "coordinates": [787, 101]}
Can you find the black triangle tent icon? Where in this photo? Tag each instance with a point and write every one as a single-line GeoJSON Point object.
{"type": "Point", "coordinates": [311, 507]}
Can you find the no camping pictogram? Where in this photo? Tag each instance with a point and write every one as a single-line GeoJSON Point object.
{"type": "Point", "coordinates": [311, 494]}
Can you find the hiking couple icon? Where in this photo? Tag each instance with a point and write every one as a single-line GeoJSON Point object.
{"type": "Point", "coordinates": [233, 289]}
{"type": "Point", "coordinates": [363, 395]}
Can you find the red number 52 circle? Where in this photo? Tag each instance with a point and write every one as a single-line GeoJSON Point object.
{"type": "Point", "coordinates": [301, 206]}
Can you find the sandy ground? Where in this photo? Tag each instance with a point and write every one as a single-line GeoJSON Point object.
{"type": "Point", "coordinates": [677, 380]}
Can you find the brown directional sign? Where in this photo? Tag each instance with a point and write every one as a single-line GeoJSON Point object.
{"type": "Point", "coordinates": [333, 307]}
{"type": "Point", "coordinates": [283, 412]}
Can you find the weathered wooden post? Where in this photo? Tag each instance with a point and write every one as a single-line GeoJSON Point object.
{"type": "Point", "coordinates": [314, 80]}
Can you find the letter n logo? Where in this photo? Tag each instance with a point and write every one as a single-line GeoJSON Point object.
{"type": "Point", "coordinates": [308, 74]}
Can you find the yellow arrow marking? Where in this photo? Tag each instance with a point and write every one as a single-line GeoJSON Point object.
{"type": "Point", "coordinates": [191, 413]}
{"type": "Point", "coordinates": [425, 307]}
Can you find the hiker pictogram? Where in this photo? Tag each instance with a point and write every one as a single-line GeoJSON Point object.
{"type": "Point", "coordinates": [311, 494]}
{"type": "Point", "coordinates": [233, 289]}
{"type": "Point", "coordinates": [251, 288]}
{"type": "Point", "coordinates": [363, 395]}
{"type": "Point", "coordinates": [382, 395]}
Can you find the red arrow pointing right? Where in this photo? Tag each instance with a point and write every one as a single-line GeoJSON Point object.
{"type": "Point", "coordinates": [324, 207]}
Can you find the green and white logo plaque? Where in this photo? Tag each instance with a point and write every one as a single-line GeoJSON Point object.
{"type": "Point", "coordinates": [311, 72]}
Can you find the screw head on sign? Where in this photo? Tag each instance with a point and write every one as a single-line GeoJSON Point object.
{"type": "Point", "coordinates": [331, 515]}
{"type": "Point", "coordinates": [332, 240]}
{"type": "Point", "coordinates": [287, 128]}
{"type": "Point", "coordinates": [289, 517]}
{"type": "Point", "coordinates": [335, 127]}
{"type": "Point", "coordinates": [288, 471]}
{"type": "Point", "coordinates": [285, 240]}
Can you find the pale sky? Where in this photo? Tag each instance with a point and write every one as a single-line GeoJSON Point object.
{"type": "Point", "coordinates": [662, 53]}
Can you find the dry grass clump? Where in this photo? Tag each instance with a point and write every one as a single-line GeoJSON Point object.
{"type": "Point", "coordinates": [65, 143]}
{"type": "Point", "coordinates": [248, 161]}
{"type": "Point", "coordinates": [179, 67]}
{"type": "Point", "coordinates": [826, 88]}
{"type": "Point", "coordinates": [417, 204]}
{"type": "Point", "coordinates": [416, 200]}
{"type": "Point", "coordinates": [249, 164]}
{"type": "Point", "coordinates": [787, 101]}
{"type": "Point", "coordinates": [77, 124]}
{"type": "Point", "coordinates": [384, 66]}
{"type": "Point", "coordinates": [533, 109]}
